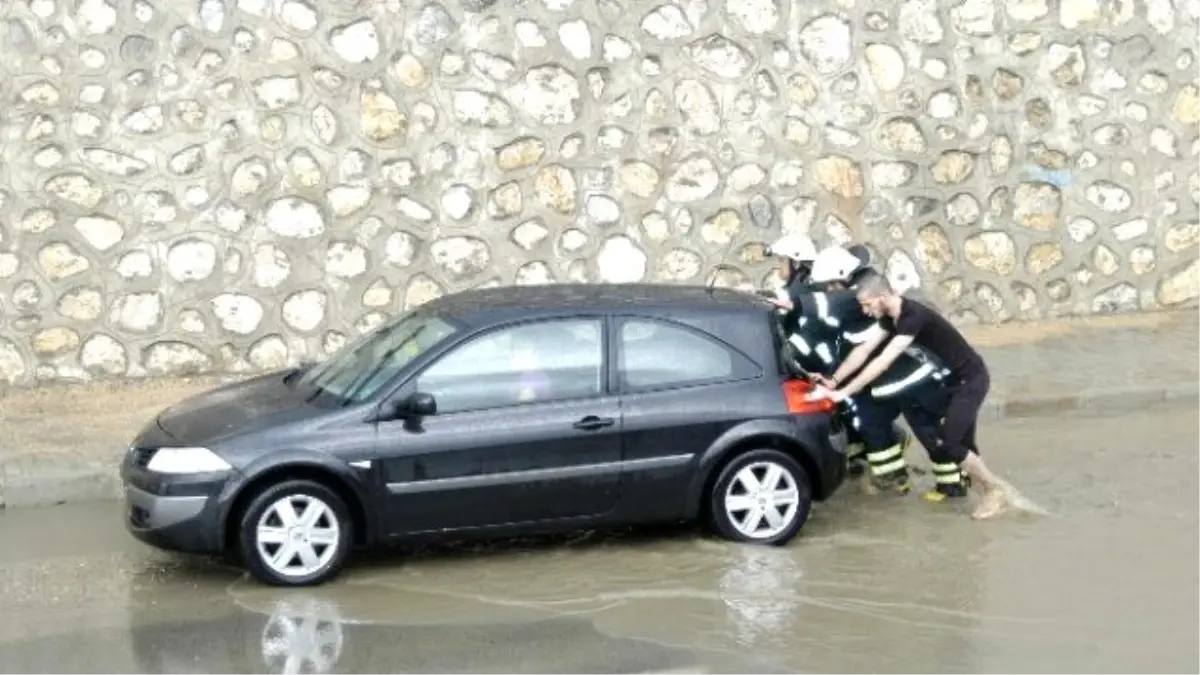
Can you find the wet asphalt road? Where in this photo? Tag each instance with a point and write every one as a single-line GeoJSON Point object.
{"type": "Point", "coordinates": [1107, 582]}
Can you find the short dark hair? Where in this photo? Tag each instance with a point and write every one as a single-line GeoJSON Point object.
{"type": "Point", "coordinates": [874, 285]}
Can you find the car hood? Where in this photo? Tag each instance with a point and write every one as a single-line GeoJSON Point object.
{"type": "Point", "coordinates": [233, 409]}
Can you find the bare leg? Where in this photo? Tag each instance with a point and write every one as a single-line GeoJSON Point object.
{"type": "Point", "coordinates": [994, 497]}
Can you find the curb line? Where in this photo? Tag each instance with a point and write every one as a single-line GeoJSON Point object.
{"type": "Point", "coordinates": [94, 481]}
{"type": "Point", "coordinates": [48, 485]}
{"type": "Point", "coordinates": [1115, 400]}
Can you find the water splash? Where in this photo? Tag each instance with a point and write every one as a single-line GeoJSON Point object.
{"type": "Point", "coordinates": [1019, 502]}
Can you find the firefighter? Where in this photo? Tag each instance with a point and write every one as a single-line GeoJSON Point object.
{"type": "Point", "coordinates": [815, 343]}
{"type": "Point", "coordinates": [796, 253]}
{"type": "Point", "coordinates": [924, 406]}
{"type": "Point", "coordinates": [878, 407]}
{"type": "Point", "coordinates": [911, 323]}
{"type": "Point", "coordinates": [811, 340]}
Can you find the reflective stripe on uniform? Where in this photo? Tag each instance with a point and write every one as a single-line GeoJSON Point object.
{"type": "Point", "coordinates": [885, 390]}
{"type": "Point", "coordinates": [823, 310]}
{"type": "Point", "coordinates": [800, 343]}
{"type": "Point", "coordinates": [947, 473]}
{"type": "Point", "coordinates": [859, 337]}
{"type": "Point", "coordinates": [886, 461]}
{"type": "Point", "coordinates": [824, 353]}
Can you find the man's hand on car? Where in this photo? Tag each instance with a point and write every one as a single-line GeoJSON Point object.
{"type": "Point", "coordinates": [825, 392]}
{"type": "Point", "coordinates": [825, 381]}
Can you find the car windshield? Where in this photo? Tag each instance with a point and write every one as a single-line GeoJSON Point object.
{"type": "Point", "coordinates": [356, 372]}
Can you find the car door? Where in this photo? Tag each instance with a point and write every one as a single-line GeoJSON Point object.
{"type": "Point", "coordinates": [524, 432]}
{"type": "Point", "coordinates": [680, 390]}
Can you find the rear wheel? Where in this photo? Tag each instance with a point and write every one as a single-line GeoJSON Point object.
{"type": "Point", "coordinates": [761, 496]}
{"type": "Point", "coordinates": [296, 533]}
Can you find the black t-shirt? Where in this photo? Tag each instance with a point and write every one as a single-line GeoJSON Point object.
{"type": "Point", "coordinates": [931, 331]}
{"type": "Point", "coordinates": [841, 313]}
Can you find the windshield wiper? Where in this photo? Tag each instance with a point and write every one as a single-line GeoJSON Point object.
{"type": "Point", "coordinates": [361, 381]}
{"type": "Point", "coordinates": [290, 378]}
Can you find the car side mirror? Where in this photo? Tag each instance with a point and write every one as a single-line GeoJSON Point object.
{"type": "Point", "coordinates": [418, 404]}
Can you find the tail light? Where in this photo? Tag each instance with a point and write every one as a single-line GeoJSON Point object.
{"type": "Point", "coordinates": [795, 394]}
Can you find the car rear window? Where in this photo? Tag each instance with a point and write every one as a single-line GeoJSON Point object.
{"type": "Point", "coordinates": [654, 354]}
{"type": "Point", "coordinates": [784, 351]}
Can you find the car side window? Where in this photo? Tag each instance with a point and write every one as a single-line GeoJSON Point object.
{"type": "Point", "coordinates": [530, 363]}
{"type": "Point", "coordinates": [657, 355]}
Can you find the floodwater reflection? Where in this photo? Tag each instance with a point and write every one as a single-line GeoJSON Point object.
{"type": "Point", "coordinates": [1107, 583]}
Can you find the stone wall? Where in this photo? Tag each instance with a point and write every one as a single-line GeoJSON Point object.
{"type": "Point", "coordinates": [230, 184]}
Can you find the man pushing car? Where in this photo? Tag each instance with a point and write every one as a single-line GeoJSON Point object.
{"type": "Point", "coordinates": [909, 323]}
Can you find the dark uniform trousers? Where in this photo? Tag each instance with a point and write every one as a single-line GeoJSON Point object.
{"type": "Point", "coordinates": [943, 420]}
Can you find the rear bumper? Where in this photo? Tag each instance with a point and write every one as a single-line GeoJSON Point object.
{"type": "Point", "coordinates": [828, 439]}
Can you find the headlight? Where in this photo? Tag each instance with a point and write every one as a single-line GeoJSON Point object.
{"type": "Point", "coordinates": [186, 460]}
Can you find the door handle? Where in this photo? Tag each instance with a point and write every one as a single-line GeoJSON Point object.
{"type": "Point", "coordinates": [592, 423]}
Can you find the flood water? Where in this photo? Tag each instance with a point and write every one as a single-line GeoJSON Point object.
{"type": "Point", "coordinates": [1106, 582]}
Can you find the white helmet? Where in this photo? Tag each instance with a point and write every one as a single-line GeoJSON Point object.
{"type": "Point", "coordinates": [834, 264]}
{"type": "Point", "coordinates": [794, 246]}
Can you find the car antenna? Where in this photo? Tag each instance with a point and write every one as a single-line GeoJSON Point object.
{"type": "Point", "coordinates": [713, 278]}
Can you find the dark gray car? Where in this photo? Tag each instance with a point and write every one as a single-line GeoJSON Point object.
{"type": "Point", "coordinates": [497, 412]}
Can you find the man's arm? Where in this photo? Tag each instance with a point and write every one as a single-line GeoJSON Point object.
{"type": "Point", "coordinates": [858, 356]}
{"type": "Point", "coordinates": [876, 368]}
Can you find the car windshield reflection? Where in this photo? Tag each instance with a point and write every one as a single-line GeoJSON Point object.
{"type": "Point", "coordinates": [357, 372]}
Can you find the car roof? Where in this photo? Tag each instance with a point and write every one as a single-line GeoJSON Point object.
{"type": "Point", "coordinates": [501, 303]}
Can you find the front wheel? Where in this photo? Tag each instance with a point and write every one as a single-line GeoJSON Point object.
{"type": "Point", "coordinates": [296, 533]}
{"type": "Point", "coordinates": [762, 497]}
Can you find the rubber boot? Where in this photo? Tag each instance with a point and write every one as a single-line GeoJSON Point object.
{"type": "Point", "coordinates": [856, 460]}
{"type": "Point", "coordinates": [889, 469]}
{"type": "Point", "coordinates": [951, 483]}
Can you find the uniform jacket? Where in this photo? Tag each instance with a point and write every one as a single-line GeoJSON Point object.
{"type": "Point", "coordinates": [840, 316]}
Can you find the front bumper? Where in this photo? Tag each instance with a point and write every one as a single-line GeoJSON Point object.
{"type": "Point", "coordinates": [175, 513]}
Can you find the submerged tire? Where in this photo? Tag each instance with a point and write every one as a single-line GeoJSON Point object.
{"type": "Point", "coordinates": [296, 533]}
{"type": "Point", "coordinates": [761, 497]}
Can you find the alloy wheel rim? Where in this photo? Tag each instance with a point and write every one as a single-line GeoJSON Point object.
{"type": "Point", "coordinates": [762, 500]}
{"type": "Point", "coordinates": [297, 535]}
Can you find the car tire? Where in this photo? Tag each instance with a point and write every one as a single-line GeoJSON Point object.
{"type": "Point", "coordinates": [733, 503]}
{"type": "Point", "coordinates": [320, 540]}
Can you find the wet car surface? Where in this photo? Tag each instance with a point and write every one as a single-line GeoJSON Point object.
{"type": "Point", "coordinates": [502, 411]}
{"type": "Point", "coordinates": [1107, 581]}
